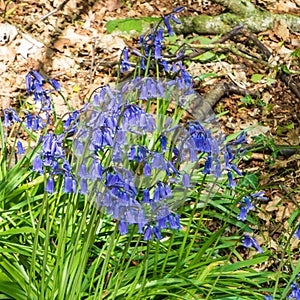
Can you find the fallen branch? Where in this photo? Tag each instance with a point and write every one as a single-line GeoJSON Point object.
{"type": "Point", "coordinates": [240, 12]}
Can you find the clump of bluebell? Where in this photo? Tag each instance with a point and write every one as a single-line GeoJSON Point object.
{"type": "Point", "coordinates": [140, 165]}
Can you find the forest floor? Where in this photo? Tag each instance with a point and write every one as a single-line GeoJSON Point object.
{"type": "Point", "coordinates": [73, 46]}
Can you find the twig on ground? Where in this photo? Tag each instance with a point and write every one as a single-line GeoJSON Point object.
{"type": "Point", "coordinates": [290, 82]}
{"type": "Point", "coordinates": [59, 7]}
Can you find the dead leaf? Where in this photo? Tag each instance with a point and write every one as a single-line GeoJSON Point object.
{"type": "Point", "coordinates": [7, 54]}
{"type": "Point", "coordinates": [256, 128]}
{"type": "Point", "coordinates": [61, 44]}
{"type": "Point", "coordinates": [283, 213]}
{"type": "Point", "coordinates": [285, 7]}
{"type": "Point", "coordinates": [109, 42]}
{"type": "Point", "coordinates": [112, 5]}
{"type": "Point", "coordinates": [3, 68]}
{"type": "Point", "coordinates": [281, 30]}
{"type": "Point", "coordinates": [8, 33]}
{"type": "Point", "coordinates": [76, 38]}
{"type": "Point", "coordinates": [274, 204]}
{"type": "Point", "coordinates": [29, 46]}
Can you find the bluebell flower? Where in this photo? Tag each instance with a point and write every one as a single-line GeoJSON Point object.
{"type": "Point", "coordinates": [178, 9]}
{"type": "Point", "coordinates": [151, 89]}
{"type": "Point", "coordinates": [174, 221]}
{"type": "Point", "coordinates": [159, 161]}
{"type": "Point", "coordinates": [83, 173]}
{"type": "Point", "coordinates": [29, 82]}
{"type": "Point", "coordinates": [38, 77]}
{"type": "Point", "coordinates": [268, 297]}
{"type": "Point", "coordinates": [167, 23]}
{"type": "Point", "coordinates": [55, 84]}
{"type": "Point", "coordinates": [147, 170]}
{"type": "Point", "coordinates": [125, 64]}
{"type": "Point", "coordinates": [186, 181]}
{"type": "Point", "coordinates": [136, 185]}
{"type": "Point", "coordinates": [123, 227]}
{"type": "Point", "coordinates": [146, 196]}
{"type": "Point", "coordinates": [71, 123]}
{"type": "Point", "coordinates": [28, 121]}
{"type": "Point", "coordinates": [163, 142]}
{"type": "Point", "coordinates": [20, 149]}
{"type": "Point", "coordinates": [235, 169]}
{"type": "Point", "coordinates": [295, 293]}
{"type": "Point", "coordinates": [84, 187]}
{"type": "Point", "coordinates": [259, 196]}
{"type": "Point", "coordinates": [66, 166]}
{"type": "Point", "coordinates": [10, 117]}
{"type": "Point", "coordinates": [249, 241]}
{"type": "Point", "coordinates": [297, 233]}
{"type": "Point", "coordinates": [148, 233]}
{"type": "Point", "coordinates": [243, 214]}
{"type": "Point", "coordinates": [38, 164]}
{"type": "Point", "coordinates": [157, 233]}
{"type": "Point", "coordinates": [232, 183]}
{"type": "Point", "coordinates": [208, 165]}
{"type": "Point", "coordinates": [158, 40]}
{"type": "Point", "coordinates": [241, 139]}
{"type": "Point", "coordinates": [96, 170]}
{"type": "Point", "coordinates": [38, 123]}
{"type": "Point", "coordinates": [165, 65]}
{"type": "Point", "coordinates": [50, 185]}
{"type": "Point", "coordinates": [229, 153]}
{"type": "Point", "coordinates": [248, 203]}
{"type": "Point", "coordinates": [68, 183]}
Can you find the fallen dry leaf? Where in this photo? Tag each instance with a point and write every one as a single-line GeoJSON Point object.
{"type": "Point", "coordinates": [28, 46]}
{"type": "Point", "coordinates": [281, 30]}
{"type": "Point", "coordinates": [8, 33]}
{"type": "Point", "coordinates": [112, 5]}
{"type": "Point", "coordinates": [7, 54]}
{"type": "Point", "coordinates": [61, 44]}
{"type": "Point", "coordinates": [274, 204]}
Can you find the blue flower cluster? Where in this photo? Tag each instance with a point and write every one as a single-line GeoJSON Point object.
{"type": "Point", "coordinates": [35, 84]}
{"type": "Point", "coordinates": [139, 165]}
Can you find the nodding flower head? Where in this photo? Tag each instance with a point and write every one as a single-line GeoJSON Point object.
{"type": "Point", "coordinates": [10, 117]}
{"type": "Point", "coordinates": [249, 242]}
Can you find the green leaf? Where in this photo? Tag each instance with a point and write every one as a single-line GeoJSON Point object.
{"type": "Point", "coordinates": [285, 69]}
{"type": "Point", "coordinates": [249, 180]}
{"type": "Point", "coordinates": [76, 89]}
{"type": "Point", "coordinates": [126, 25]}
{"type": "Point", "coordinates": [256, 77]}
{"type": "Point", "coordinates": [206, 75]}
{"type": "Point", "coordinates": [247, 99]}
{"type": "Point", "coordinates": [209, 55]}
{"type": "Point", "coordinates": [246, 263]}
{"type": "Point", "coordinates": [270, 80]}
{"type": "Point", "coordinates": [12, 290]}
{"type": "Point", "coordinates": [17, 231]}
{"type": "Point", "coordinates": [296, 53]}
